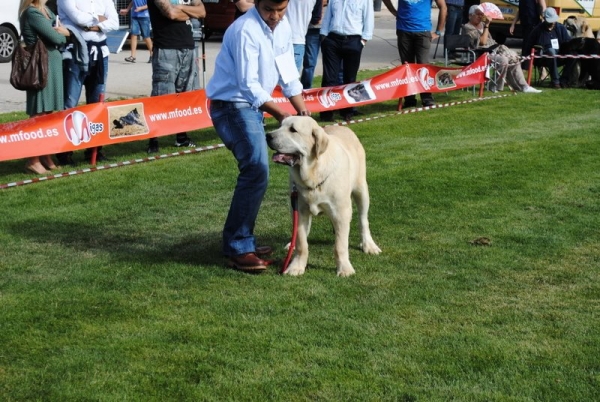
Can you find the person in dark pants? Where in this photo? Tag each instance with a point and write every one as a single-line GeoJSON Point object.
{"type": "Point", "coordinates": [347, 26]}
{"type": "Point", "coordinates": [413, 28]}
{"type": "Point", "coordinates": [529, 16]}
{"type": "Point", "coordinates": [549, 35]}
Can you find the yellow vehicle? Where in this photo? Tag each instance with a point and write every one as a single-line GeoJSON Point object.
{"type": "Point", "coordinates": [588, 9]}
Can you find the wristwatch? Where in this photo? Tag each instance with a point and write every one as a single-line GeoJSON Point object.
{"type": "Point", "coordinates": [438, 33]}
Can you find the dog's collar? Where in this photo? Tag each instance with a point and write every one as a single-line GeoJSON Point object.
{"type": "Point", "coordinates": [317, 186]}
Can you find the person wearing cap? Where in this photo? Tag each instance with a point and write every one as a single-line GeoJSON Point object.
{"type": "Point", "coordinates": [547, 37]}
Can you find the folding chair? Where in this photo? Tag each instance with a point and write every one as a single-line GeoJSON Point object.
{"type": "Point", "coordinates": [460, 45]}
{"type": "Point", "coordinates": [541, 73]}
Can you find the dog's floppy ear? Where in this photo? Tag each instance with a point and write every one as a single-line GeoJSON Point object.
{"type": "Point", "coordinates": [584, 28]}
{"type": "Point", "coordinates": [321, 139]}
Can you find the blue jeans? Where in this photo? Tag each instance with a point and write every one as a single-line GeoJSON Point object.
{"type": "Point", "coordinates": [554, 63]}
{"type": "Point", "coordinates": [311, 55]}
{"type": "Point", "coordinates": [172, 71]}
{"type": "Point", "coordinates": [240, 127]}
{"type": "Point", "coordinates": [299, 55]}
{"type": "Point", "coordinates": [75, 79]}
{"type": "Point", "coordinates": [453, 20]}
{"type": "Point", "coordinates": [140, 26]}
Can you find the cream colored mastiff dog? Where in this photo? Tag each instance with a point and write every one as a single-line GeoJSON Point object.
{"type": "Point", "coordinates": [329, 170]}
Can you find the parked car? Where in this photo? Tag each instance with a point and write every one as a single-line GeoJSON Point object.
{"type": "Point", "coordinates": [219, 15]}
{"type": "Point", "coordinates": [10, 30]}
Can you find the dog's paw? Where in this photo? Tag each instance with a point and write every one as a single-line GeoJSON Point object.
{"type": "Point", "coordinates": [295, 269]}
{"type": "Point", "coordinates": [370, 248]}
{"type": "Point", "coordinates": [346, 271]}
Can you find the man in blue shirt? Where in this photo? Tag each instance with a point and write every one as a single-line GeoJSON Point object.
{"type": "Point", "coordinates": [413, 28]}
{"type": "Point", "coordinates": [256, 55]}
{"type": "Point", "coordinates": [549, 35]}
{"type": "Point", "coordinates": [347, 26]}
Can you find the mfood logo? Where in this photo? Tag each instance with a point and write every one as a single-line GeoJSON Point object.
{"type": "Point", "coordinates": [328, 98]}
{"type": "Point", "coordinates": [424, 78]}
{"type": "Point", "coordinates": [78, 128]}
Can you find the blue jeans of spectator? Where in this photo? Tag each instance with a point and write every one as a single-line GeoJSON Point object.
{"type": "Point", "coordinates": [140, 27]}
{"type": "Point", "coordinates": [240, 127]}
{"type": "Point", "coordinates": [299, 55]}
{"type": "Point", "coordinates": [553, 64]}
{"type": "Point", "coordinates": [453, 20]}
{"type": "Point", "coordinates": [311, 55]}
{"type": "Point", "coordinates": [75, 79]}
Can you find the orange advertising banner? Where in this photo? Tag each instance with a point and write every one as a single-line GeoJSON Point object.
{"type": "Point", "coordinates": [136, 119]}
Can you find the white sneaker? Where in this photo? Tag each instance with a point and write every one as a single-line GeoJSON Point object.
{"type": "Point", "coordinates": [531, 90]}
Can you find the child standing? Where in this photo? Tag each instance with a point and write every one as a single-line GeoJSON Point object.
{"type": "Point", "coordinates": [140, 25]}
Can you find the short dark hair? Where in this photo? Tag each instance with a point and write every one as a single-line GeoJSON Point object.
{"type": "Point", "coordinates": [274, 1]}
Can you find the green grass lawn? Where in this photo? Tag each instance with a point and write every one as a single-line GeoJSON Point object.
{"type": "Point", "coordinates": [113, 287]}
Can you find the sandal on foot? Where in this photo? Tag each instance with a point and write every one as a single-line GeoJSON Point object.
{"type": "Point", "coordinates": [130, 59]}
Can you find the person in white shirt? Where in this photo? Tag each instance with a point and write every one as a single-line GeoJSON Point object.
{"type": "Point", "coordinates": [255, 56]}
{"type": "Point", "coordinates": [90, 20]}
{"type": "Point", "coordinates": [347, 26]}
{"type": "Point", "coordinates": [299, 13]}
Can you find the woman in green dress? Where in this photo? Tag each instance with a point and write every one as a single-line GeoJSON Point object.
{"type": "Point", "coordinates": [38, 21]}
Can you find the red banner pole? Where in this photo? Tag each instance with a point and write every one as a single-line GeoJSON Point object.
{"type": "Point", "coordinates": [530, 72]}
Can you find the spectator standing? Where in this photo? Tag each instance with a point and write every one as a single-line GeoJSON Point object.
{"type": "Point", "coordinates": [299, 13]}
{"type": "Point", "coordinates": [312, 45]}
{"type": "Point", "coordinates": [89, 20]}
{"type": "Point", "coordinates": [507, 61]}
{"type": "Point", "coordinates": [38, 21]}
{"type": "Point", "coordinates": [549, 35]}
{"type": "Point", "coordinates": [347, 27]}
{"type": "Point", "coordinates": [256, 55]}
{"type": "Point", "coordinates": [413, 28]}
{"type": "Point", "coordinates": [529, 14]}
{"type": "Point", "coordinates": [241, 6]}
{"type": "Point", "coordinates": [140, 26]}
{"type": "Point", "coordinates": [454, 17]}
{"type": "Point", "coordinates": [173, 58]}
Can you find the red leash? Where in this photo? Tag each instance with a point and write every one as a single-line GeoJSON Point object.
{"type": "Point", "coordinates": [294, 200]}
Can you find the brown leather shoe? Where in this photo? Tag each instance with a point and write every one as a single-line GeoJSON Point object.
{"type": "Point", "coordinates": [248, 262]}
{"type": "Point", "coordinates": [263, 250]}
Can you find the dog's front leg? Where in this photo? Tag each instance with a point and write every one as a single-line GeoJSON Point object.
{"type": "Point", "coordinates": [341, 225]}
{"type": "Point", "coordinates": [367, 244]}
{"type": "Point", "coordinates": [298, 264]}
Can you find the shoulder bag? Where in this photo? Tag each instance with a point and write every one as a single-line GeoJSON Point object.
{"type": "Point", "coordinates": [30, 67]}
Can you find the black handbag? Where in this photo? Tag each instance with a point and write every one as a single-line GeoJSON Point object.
{"type": "Point", "coordinates": [30, 67]}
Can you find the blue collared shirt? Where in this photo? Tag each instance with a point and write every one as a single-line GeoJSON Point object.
{"type": "Point", "coordinates": [245, 68]}
{"type": "Point", "coordinates": [349, 17]}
